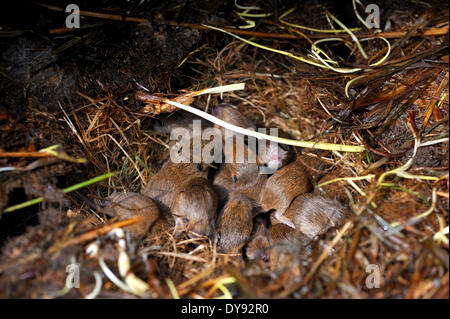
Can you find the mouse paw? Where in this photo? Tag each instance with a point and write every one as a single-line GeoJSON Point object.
{"type": "Point", "coordinates": [284, 220]}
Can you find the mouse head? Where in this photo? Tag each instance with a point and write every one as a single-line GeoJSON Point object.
{"type": "Point", "coordinates": [227, 113]}
{"type": "Point", "coordinates": [275, 156]}
{"type": "Point", "coordinates": [128, 205]}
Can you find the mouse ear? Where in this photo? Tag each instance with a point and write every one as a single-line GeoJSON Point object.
{"type": "Point", "coordinates": [283, 219]}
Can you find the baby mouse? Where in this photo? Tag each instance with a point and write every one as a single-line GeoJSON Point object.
{"type": "Point", "coordinates": [272, 155]}
{"type": "Point", "coordinates": [283, 234]}
{"type": "Point", "coordinates": [201, 149]}
{"type": "Point", "coordinates": [179, 119]}
{"type": "Point", "coordinates": [234, 143]}
{"type": "Point", "coordinates": [282, 187]}
{"type": "Point", "coordinates": [128, 205]}
{"type": "Point", "coordinates": [235, 223]}
{"type": "Point", "coordinates": [194, 208]}
{"type": "Point", "coordinates": [258, 246]}
{"type": "Point", "coordinates": [230, 115]}
{"type": "Point", "coordinates": [241, 159]}
{"type": "Point", "coordinates": [161, 186]}
{"type": "Point", "coordinates": [287, 250]}
{"type": "Point", "coordinates": [314, 215]}
{"type": "Point", "coordinates": [240, 179]}
{"type": "Point", "coordinates": [249, 182]}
